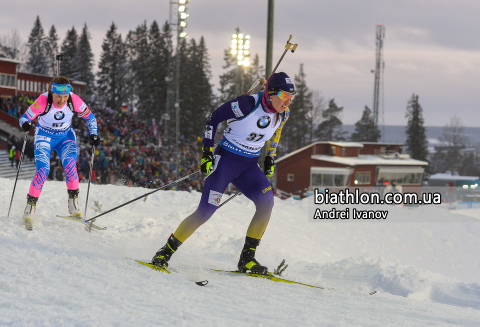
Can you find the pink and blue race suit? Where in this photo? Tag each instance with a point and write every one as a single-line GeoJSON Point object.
{"type": "Point", "coordinates": [54, 132]}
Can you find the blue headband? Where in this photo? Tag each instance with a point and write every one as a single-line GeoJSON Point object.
{"type": "Point", "coordinates": [61, 88]}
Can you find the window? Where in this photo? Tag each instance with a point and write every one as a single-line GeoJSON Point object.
{"type": "Point", "coordinates": [332, 150]}
{"type": "Point", "coordinates": [329, 177]}
{"type": "Point", "coordinates": [399, 175]}
{"type": "Point", "coordinates": [7, 80]}
{"type": "Point", "coordinates": [344, 152]}
{"type": "Point", "coordinates": [362, 178]}
{"type": "Point", "coordinates": [290, 178]}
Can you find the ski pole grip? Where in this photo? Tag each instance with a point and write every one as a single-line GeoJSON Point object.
{"type": "Point", "coordinates": [290, 46]}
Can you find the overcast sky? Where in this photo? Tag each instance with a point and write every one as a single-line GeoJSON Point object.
{"type": "Point", "coordinates": [431, 48]}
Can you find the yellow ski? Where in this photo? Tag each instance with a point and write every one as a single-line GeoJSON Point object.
{"type": "Point", "coordinates": [201, 283]}
{"type": "Point", "coordinates": [269, 276]}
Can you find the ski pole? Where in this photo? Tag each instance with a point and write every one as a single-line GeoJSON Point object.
{"type": "Point", "coordinates": [238, 193]}
{"type": "Point", "coordinates": [259, 83]}
{"type": "Point", "coordinates": [18, 171]}
{"type": "Point", "coordinates": [140, 197]}
{"type": "Point", "coordinates": [88, 189]}
{"type": "Point", "coordinates": [288, 46]}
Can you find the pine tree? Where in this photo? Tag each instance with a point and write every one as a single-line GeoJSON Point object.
{"type": "Point", "coordinates": [196, 96]}
{"type": "Point", "coordinates": [314, 116]}
{"type": "Point", "coordinates": [83, 64]}
{"type": "Point", "coordinates": [416, 133]}
{"type": "Point", "coordinates": [11, 45]}
{"type": "Point", "coordinates": [252, 73]}
{"type": "Point", "coordinates": [330, 129]}
{"type": "Point", "coordinates": [454, 140]}
{"type": "Point", "coordinates": [237, 79]}
{"type": "Point", "coordinates": [69, 51]}
{"type": "Point", "coordinates": [159, 59]}
{"type": "Point", "coordinates": [228, 80]}
{"type": "Point", "coordinates": [138, 49]}
{"type": "Point", "coordinates": [365, 129]}
{"type": "Point", "coordinates": [36, 42]}
{"type": "Point", "coordinates": [112, 70]}
{"type": "Point", "coordinates": [295, 131]}
{"type": "Point", "coordinates": [51, 50]}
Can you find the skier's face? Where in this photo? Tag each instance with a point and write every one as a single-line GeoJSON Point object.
{"type": "Point", "coordinates": [60, 99]}
{"type": "Point", "coordinates": [279, 104]}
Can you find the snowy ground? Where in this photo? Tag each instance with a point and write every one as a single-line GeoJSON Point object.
{"type": "Point", "coordinates": [425, 273]}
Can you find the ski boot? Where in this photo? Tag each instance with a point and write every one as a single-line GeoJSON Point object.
{"type": "Point", "coordinates": [163, 255]}
{"type": "Point", "coordinates": [73, 207]}
{"type": "Point", "coordinates": [247, 258]}
{"type": "Point", "coordinates": [29, 211]}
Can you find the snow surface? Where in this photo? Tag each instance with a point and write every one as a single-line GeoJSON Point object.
{"type": "Point", "coordinates": [425, 273]}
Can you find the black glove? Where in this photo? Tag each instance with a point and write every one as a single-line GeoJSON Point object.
{"type": "Point", "coordinates": [26, 126]}
{"type": "Point", "coordinates": [94, 140]}
{"type": "Point", "coordinates": [207, 160]}
{"type": "Point", "coordinates": [268, 164]}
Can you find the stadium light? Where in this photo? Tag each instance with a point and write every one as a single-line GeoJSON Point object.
{"type": "Point", "coordinates": [240, 48]}
{"type": "Point", "coordinates": [182, 9]}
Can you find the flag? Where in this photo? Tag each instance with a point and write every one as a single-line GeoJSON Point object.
{"type": "Point", "coordinates": [154, 125]}
{"type": "Point", "coordinates": [124, 108]}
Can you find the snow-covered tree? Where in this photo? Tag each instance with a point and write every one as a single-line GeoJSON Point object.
{"type": "Point", "coordinates": [112, 70]}
{"type": "Point", "coordinates": [37, 62]}
{"type": "Point", "coordinates": [69, 51]}
{"type": "Point", "coordinates": [51, 50]}
{"type": "Point", "coordinates": [83, 63]}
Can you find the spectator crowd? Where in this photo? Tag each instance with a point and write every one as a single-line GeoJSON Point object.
{"type": "Point", "coordinates": [132, 153]}
{"type": "Point", "coordinates": [15, 105]}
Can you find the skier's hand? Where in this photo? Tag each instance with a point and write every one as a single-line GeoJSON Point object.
{"type": "Point", "coordinates": [26, 126]}
{"type": "Point", "coordinates": [207, 160]}
{"type": "Point", "coordinates": [94, 140]}
{"type": "Point", "coordinates": [268, 164]}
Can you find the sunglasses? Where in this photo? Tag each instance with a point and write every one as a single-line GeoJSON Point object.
{"type": "Point", "coordinates": [61, 88]}
{"type": "Point", "coordinates": [284, 96]}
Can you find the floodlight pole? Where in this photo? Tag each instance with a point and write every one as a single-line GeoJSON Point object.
{"type": "Point", "coordinates": [268, 66]}
{"type": "Point", "coordinates": [177, 99]}
{"type": "Point", "coordinates": [270, 21]}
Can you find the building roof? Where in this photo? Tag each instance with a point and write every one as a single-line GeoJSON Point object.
{"type": "Point", "coordinates": [383, 143]}
{"type": "Point", "coordinates": [369, 160]}
{"type": "Point", "coordinates": [10, 60]}
{"type": "Point", "coordinates": [450, 177]}
{"type": "Point", "coordinates": [341, 144]}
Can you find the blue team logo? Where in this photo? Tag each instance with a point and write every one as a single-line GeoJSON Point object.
{"type": "Point", "coordinates": [263, 122]}
{"type": "Point", "coordinates": [59, 115]}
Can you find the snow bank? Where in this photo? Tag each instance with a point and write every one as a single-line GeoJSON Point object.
{"type": "Point", "coordinates": [59, 274]}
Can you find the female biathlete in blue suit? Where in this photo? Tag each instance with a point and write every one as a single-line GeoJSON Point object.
{"type": "Point", "coordinates": [253, 120]}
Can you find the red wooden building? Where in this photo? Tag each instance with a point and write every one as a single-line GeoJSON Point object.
{"type": "Point", "coordinates": [14, 83]}
{"type": "Point", "coordinates": [340, 164]}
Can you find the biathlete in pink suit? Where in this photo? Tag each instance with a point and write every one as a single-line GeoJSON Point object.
{"type": "Point", "coordinates": [55, 110]}
{"type": "Point", "coordinates": [253, 121]}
